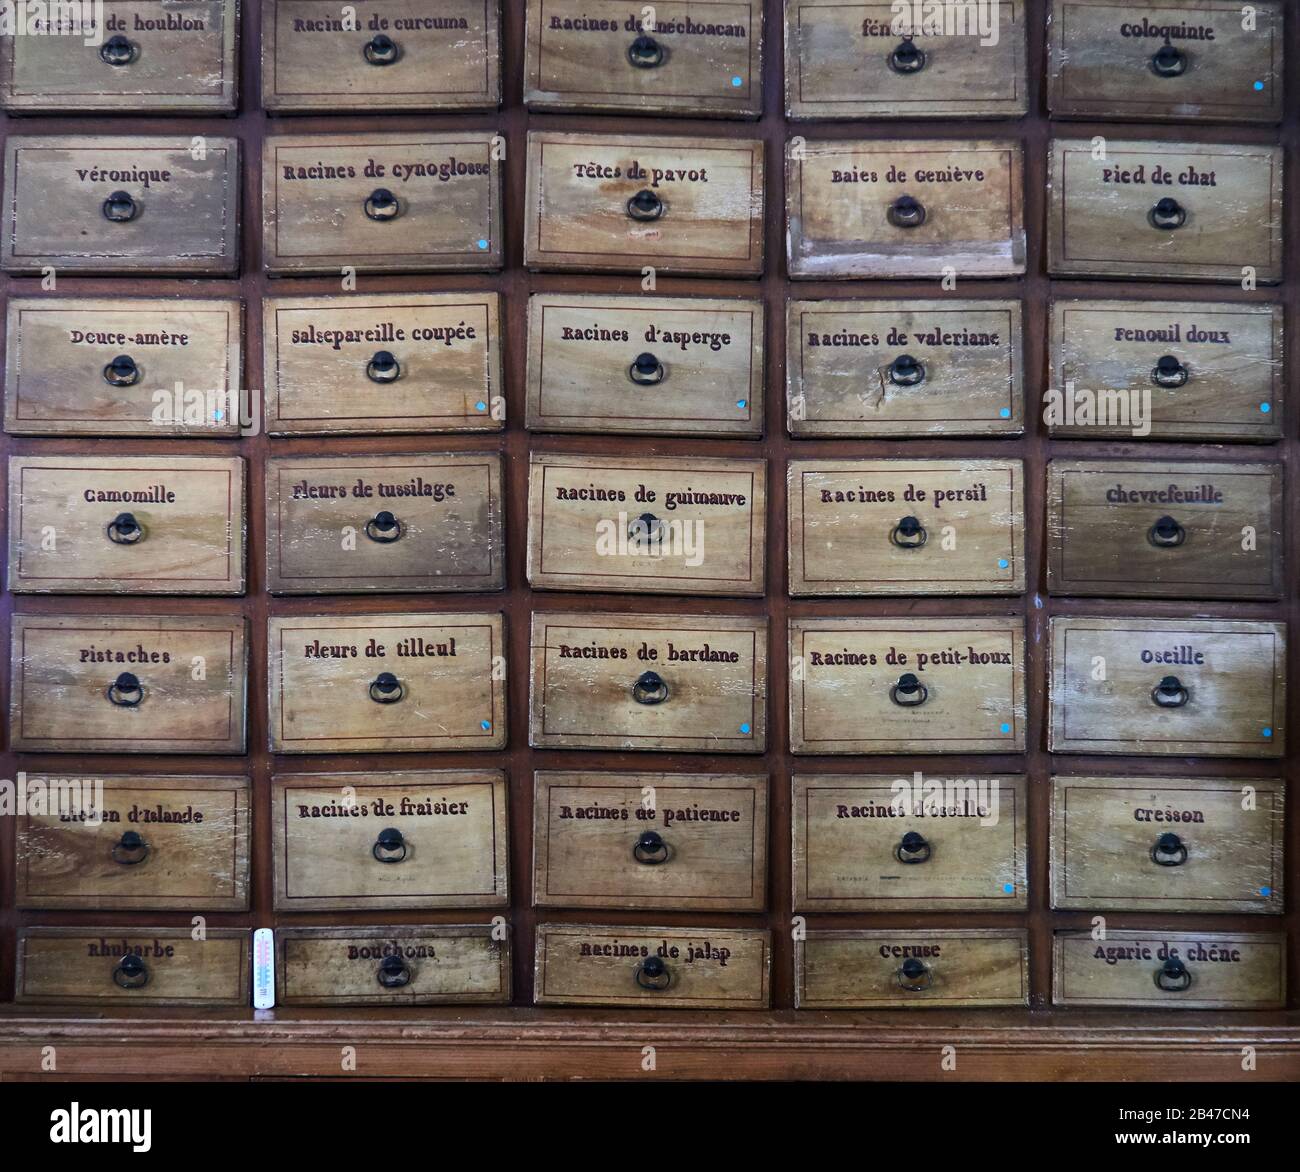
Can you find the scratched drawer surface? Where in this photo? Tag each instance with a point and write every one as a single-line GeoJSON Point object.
{"type": "Point", "coordinates": [617, 203]}
{"type": "Point", "coordinates": [1213, 688]}
{"type": "Point", "coordinates": [1170, 970]}
{"type": "Point", "coordinates": [375, 203]}
{"type": "Point", "coordinates": [400, 362]}
{"type": "Point", "coordinates": [389, 840]}
{"type": "Point", "coordinates": [666, 366]}
{"type": "Point", "coordinates": [650, 840]}
{"type": "Point", "coordinates": [142, 841]}
{"type": "Point", "coordinates": [672, 968]}
{"type": "Point", "coordinates": [880, 842]}
{"type": "Point", "coordinates": [394, 56]}
{"type": "Point", "coordinates": [904, 368]}
{"type": "Point", "coordinates": [874, 61]}
{"type": "Point", "coordinates": [355, 524]}
{"type": "Point", "coordinates": [906, 527]}
{"type": "Point", "coordinates": [387, 683]}
{"type": "Point", "coordinates": [1172, 370]}
{"type": "Point", "coordinates": [126, 524]}
{"type": "Point", "coordinates": [1165, 211]}
{"type": "Point", "coordinates": [121, 966]}
{"type": "Point", "coordinates": [869, 209]}
{"type": "Point", "coordinates": [151, 57]}
{"type": "Point", "coordinates": [700, 58]}
{"type": "Point", "coordinates": [110, 204]}
{"type": "Point", "coordinates": [137, 683]}
{"type": "Point", "coordinates": [1164, 529]}
{"type": "Point", "coordinates": [677, 525]}
{"type": "Point", "coordinates": [907, 685]}
{"type": "Point", "coordinates": [1163, 62]}
{"type": "Point", "coordinates": [879, 969]}
{"type": "Point", "coordinates": [1170, 844]}
{"type": "Point", "coordinates": [680, 682]}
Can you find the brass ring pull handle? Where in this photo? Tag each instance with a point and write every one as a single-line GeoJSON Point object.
{"type": "Point", "coordinates": [384, 528]}
{"type": "Point", "coordinates": [383, 367]}
{"type": "Point", "coordinates": [909, 533]}
{"type": "Point", "coordinates": [652, 973]}
{"type": "Point", "coordinates": [386, 688]}
{"type": "Point", "coordinates": [393, 972]}
{"type": "Point", "coordinates": [1168, 61]}
{"type": "Point", "coordinates": [646, 370]}
{"type": "Point", "coordinates": [906, 57]}
{"type": "Point", "coordinates": [909, 692]}
{"type": "Point", "coordinates": [646, 527]}
{"type": "Point", "coordinates": [906, 371]}
{"type": "Point", "coordinates": [130, 849]}
{"type": "Point", "coordinates": [913, 848]}
{"type": "Point", "coordinates": [1169, 851]}
{"type": "Point", "coordinates": [124, 529]}
{"type": "Point", "coordinates": [120, 207]}
{"type": "Point", "coordinates": [117, 50]}
{"type": "Point", "coordinates": [1166, 533]}
{"type": "Point", "coordinates": [389, 847]}
{"type": "Point", "coordinates": [651, 849]}
{"type": "Point", "coordinates": [645, 53]}
{"type": "Point", "coordinates": [645, 205]}
{"type": "Point", "coordinates": [1173, 976]}
{"type": "Point", "coordinates": [381, 50]}
{"type": "Point", "coordinates": [1167, 214]}
{"type": "Point", "coordinates": [382, 205]}
{"type": "Point", "coordinates": [131, 973]}
{"type": "Point", "coordinates": [906, 212]}
{"type": "Point", "coordinates": [126, 691]}
{"type": "Point", "coordinates": [1170, 693]}
{"type": "Point", "coordinates": [914, 975]}
{"type": "Point", "coordinates": [122, 372]}
{"type": "Point", "coordinates": [650, 688]}
{"type": "Point", "coordinates": [1169, 372]}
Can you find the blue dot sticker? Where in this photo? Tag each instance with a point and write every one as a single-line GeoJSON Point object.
{"type": "Point", "coordinates": [737, 82]}
{"type": "Point", "coordinates": [1266, 407]}
{"type": "Point", "coordinates": [1006, 728]}
{"type": "Point", "coordinates": [1266, 891]}
{"type": "Point", "coordinates": [485, 725]}
{"type": "Point", "coordinates": [1003, 563]}
{"type": "Point", "coordinates": [480, 406]}
{"type": "Point", "coordinates": [744, 728]}
{"type": "Point", "coordinates": [1268, 732]}
{"type": "Point", "coordinates": [742, 403]}
{"type": "Point", "coordinates": [1005, 413]}
{"type": "Point", "coordinates": [1008, 888]}
{"type": "Point", "coordinates": [483, 245]}
{"type": "Point", "coordinates": [1259, 85]}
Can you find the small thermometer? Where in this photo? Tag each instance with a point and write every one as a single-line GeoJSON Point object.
{"type": "Point", "coordinates": [263, 968]}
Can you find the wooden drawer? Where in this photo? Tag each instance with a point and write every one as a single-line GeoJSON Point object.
{"type": "Point", "coordinates": [126, 524]}
{"type": "Point", "coordinates": [173, 213]}
{"type": "Point", "coordinates": [426, 965]}
{"type": "Point", "coordinates": [386, 683]}
{"type": "Point", "coordinates": [401, 362]}
{"type": "Point", "coordinates": [1161, 62]}
{"type": "Point", "coordinates": [151, 57]}
{"type": "Point", "coordinates": [666, 525]}
{"type": "Point", "coordinates": [620, 203]}
{"type": "Point", "coordinates": [389, 840]}
{"type": "Point", "coordinates": [399, 56]}
{"type": "Point", "coordinates": [1181, 687]}
{"type": "Point", "coordinates": [659, 365]}
{"type": "Point", "coordinates": [1164, 529]}
{"type": "Point", "coordinates": [868, 61]}
{"type": "Point", "coordinates": [674, 683]}
{"type": "Point", "coordinates": [906, 527]}
{"type": "Point", "coordinates": [1167, 844]}
{"type": "Point", "coordinates": [869, 209]}
{"type": "Point", "coordinates": [1175, 370]}
{"type": "Point", "coordinates": [879, 842]}
{"type": "Point", "coordinates": [1170, 970]}
{"type": "Point", "coordinates": [907, 685]}
{"type": "Point", "coordinates": [141, 841]}
{"type": "Point", "coordinates": [381, 203]}
{"type": "Point", "coordinates": [880, 969]}
{"type": "Point", "coordinates": [1165, 211]}
{"type": "Point", "coordinates": [671, 968]}
{"type": "Point", "coordinates": [700, 58]}
{"type": "Point", "coordinates": [120, 966]}
{"type": "Point", "coordinates": [688, 841]}
{"type": "Point", "coordinates": [135, 683]}
{"type": "Point", "coordinates": [359, 524]}
{"type": "Point", "coordinates": [903, 368]}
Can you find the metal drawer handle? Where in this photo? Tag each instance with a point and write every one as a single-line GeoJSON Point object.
{"type": "Point", "coordinates": [906, 57]}
{"type": "Point", "coordinates": [117, 50]}
{"type": "Point", "coordinates": [652, 973]}
{"type": "Point", "coordinates": [387, 846]}
{"type": "Point", "coordinates": [386, 688]}
{"type": "Point", "coordinates": [1166, 533]}
{"type": "Point", "coordinates": [381, 50]}
{"type": "Point", "coordinates": [124, 529]}
{"type": "Point", "coordinates": [909, 533]}
{"type": "Point", "coordinates": [912, 849]}
{"type": "Point", "coordinates": [130, 849]}
{"type": "Point", "coordinates": [1167, 214]}
{"type": "Point", "coordinates": [1168, 61]}
{"type": "Point", "coordinates": [646, 527]}
{"type": "Point", "coordinates": [382, 205]}
{"type": "Point", "coordinates": [122, 372]}
{"type": "Point", "coordinates": [650, 688]}
{"type": "Point", "coordinates": [384, 528]}
{"type": "Point", "coordinates": [120, 207]}
{"type": "Point", "coordinates": [914, 975]}
{"type": "Point", "coordinates": [126, 691]}
{"type": "Point", "coordinates": [651, 849]}
{"type": "Point", "coordinates": [1173, 976]}
{"type": "Point", "coordinates": [646, 370]}
{"type": "Point", "coordinates": [383, 367]}
{"type": "Point", "coordinates": [909, 692]}
{"type": "Point", "coordinates": [906, 371]}
{"type": "Point", "coordinates": [131, 973]}
{"type": "Point", "coordinates": [645, 205]}
{"type": "Point", "coordinates": [645, 53]}
{"type": "Point", "coordinates": [1169, 851]}
{"type": "Point", "coordinates": [1170, 693]}
{"type": "Point", "coordinates": [906, 212]}
{"type": "Point", "coordinates": [393, 972]}
{"type": "Point", "coordinates": [1169, 372]}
